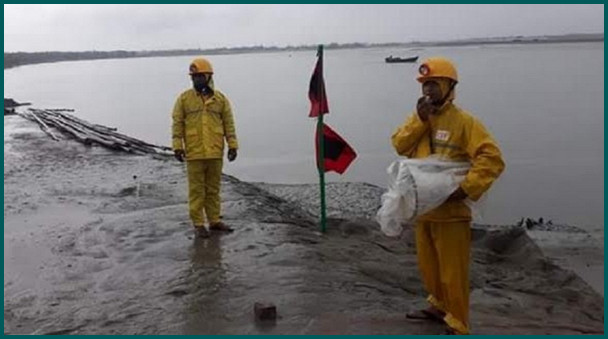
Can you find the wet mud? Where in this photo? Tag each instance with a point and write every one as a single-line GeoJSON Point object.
{"type": "Point", "coordinates": [97, 242]}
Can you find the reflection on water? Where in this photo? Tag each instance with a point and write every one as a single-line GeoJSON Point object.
{"type": "Point", "coordinates": [206, 281]}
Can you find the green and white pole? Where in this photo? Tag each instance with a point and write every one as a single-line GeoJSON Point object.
{"type": "Point", "coordinates": [321, 155]}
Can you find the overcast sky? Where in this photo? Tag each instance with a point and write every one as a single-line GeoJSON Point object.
{"type": "Point", "coordinates": [137, 27]}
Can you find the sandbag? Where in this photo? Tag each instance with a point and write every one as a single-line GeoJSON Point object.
{"type": "Point", "coordinates": [415, 187]}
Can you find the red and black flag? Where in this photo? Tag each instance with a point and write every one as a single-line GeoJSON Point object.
{"type": "Point", "coordinates": [338, 154]}
{"type": "Point", "coordinates": [316, 91]}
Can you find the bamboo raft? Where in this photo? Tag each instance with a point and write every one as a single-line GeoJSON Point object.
{"type": "Point", "coordinates": [90, 134]}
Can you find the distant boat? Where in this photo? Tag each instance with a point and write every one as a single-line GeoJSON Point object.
{"type": "Point", "coordinates": [391, 59]}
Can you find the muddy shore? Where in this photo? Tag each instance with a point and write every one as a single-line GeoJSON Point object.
{"type": "Point", "coordinates": [97, 242]}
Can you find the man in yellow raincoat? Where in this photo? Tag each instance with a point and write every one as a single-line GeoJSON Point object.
{"type": "Point", "coordinates": [443, 236]}
{"type": "Point", "coordinates": [202, 120]}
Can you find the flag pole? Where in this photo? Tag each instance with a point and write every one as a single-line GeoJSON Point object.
{"type": "Point", "coordinates": [321, 154]}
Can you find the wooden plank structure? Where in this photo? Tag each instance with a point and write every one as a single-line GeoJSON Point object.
{"type": "Point", "coordinates": [90, 134]}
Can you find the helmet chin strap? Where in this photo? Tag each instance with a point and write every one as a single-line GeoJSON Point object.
{"type": "Point", "coordinates": [447, 95]}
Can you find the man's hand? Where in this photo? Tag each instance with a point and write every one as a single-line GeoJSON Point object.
{"type": "Point", "coordinates": [179, 155]}
{"type": "Point", "coordinates": [231, 154]}
{"type": "Point", "coordinates": [425, 108]}
{"type": "Point", "coordinates": [458, 195]}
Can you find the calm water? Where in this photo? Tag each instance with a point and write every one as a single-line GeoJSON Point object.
{"type": "Point", "coordinates": [544, 104]}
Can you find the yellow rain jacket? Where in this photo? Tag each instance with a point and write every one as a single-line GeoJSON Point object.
{"type": "Point", "coordinates": [456, 135]}
{"type": "Point", "coordinates": [200, 125]}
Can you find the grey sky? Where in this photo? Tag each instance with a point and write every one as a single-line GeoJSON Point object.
{"type": "Point", "coordinates": [136, 27]}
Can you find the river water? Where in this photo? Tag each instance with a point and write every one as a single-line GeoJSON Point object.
{"type": "Point", "coordinates": [543, 103]}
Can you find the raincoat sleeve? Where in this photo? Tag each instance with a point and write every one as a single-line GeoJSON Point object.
{"type": "Point", "coordinates": [405, 139]}
{"type": "Point", "coordinates": [229, 128]}
{"type": "Point", "coordinates": [486, 161]}
{"type": "Point", "coordinates": [178, 128]}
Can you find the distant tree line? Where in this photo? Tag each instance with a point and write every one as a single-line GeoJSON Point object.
{"type": "Point", "coordinates": [21, 58]}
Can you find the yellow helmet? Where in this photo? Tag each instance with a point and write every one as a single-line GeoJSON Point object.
{"type": "Point", "coordinates": [437, 67]}
{"type": "Point", "coordinates": [200, 65]}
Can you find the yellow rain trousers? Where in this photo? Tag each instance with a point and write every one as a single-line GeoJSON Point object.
{"type": "Point", "coordinates": [200, 126]}
{"type": "Point", "coordinates": [443, 259]}
{"type": "Point", "coordinates": [204, 178]}
{"type": "Point", "coordinates": [443, 234]}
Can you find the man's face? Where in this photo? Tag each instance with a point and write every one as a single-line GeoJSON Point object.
{"type": "Point", "coordinates": [432, 90]}
{"type": "Point", "coordinates": [200, 80]}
